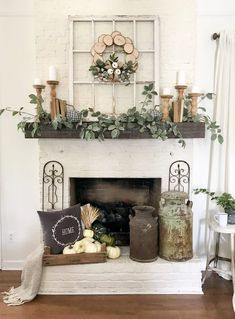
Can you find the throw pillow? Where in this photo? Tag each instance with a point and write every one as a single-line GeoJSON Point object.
{"type": "Point", "coordinates": [61, 228]}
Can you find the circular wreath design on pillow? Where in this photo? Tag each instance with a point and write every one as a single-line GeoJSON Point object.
{"type": "Point", "coordinates": [112, 69]}
{"type": "Point", "coordinates": [68, 221]}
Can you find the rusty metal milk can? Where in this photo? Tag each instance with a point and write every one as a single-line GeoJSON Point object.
{"type": "Point", "coordinates": [175, 227]}
{"type": "Point", "coordinates": [143, 234]}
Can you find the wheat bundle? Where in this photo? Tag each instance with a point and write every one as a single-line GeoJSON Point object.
{"type": "Point", "coordinates": [89, 214]}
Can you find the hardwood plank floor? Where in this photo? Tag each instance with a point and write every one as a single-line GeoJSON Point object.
{"type": "Point", "coordinates": [216, 303]}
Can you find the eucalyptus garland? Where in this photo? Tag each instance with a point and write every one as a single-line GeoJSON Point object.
{"type": "Point", "coordinates": [143, 119]}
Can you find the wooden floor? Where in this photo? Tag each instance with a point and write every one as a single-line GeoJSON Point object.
{"type": "Point", "coordinates": [216, 303]}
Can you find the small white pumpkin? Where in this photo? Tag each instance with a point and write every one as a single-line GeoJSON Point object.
{"type": "Point", "coordinates": [87, 240]}
{"type": "Point", "coordinates": [88, 233]}
{"type": "Point", "coordinates": [69, 250]}
{"type": "Point", "coordinates": [79, 246]}
{"type": "Point", "coordinates": [113, 252]}
{"type": "Point", "coordinates": [98, 246]}
{"type": "Point", "coordinates": [91, 248]}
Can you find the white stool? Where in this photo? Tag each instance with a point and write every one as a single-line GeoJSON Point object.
{"type": "Point", "coordinates": [216, 230]}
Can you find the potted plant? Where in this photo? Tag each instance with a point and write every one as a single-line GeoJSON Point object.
{"type": "Point", "coordinates": [225, 200]}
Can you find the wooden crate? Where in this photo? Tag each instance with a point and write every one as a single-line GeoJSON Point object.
{"type": "Point", "coordinates": [73, 259]}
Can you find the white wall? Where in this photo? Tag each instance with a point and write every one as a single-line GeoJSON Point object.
{"type": "Point", "coordinates": [18, 157]}
{"type": "Point", "coordinates": [19, 185]}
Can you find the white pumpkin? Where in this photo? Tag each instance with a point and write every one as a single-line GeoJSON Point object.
{"type": "Point", "coordinates": [98, 246]}
{"type": "Point", "coordinates": [69, 250]}
{"type": "Point", "coordinates": [113, 252]}
{"type": "Point", "coordinates": [91, 248]}
{"type": "Point", "coordinates": [88, 233]}
{"type": "Point", "coordinates": [87, 240]}
{"type": "Point", "coordinates": [79, 246]}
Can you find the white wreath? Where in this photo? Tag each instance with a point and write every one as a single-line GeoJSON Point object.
{"type": "Point", "coordinates": [60, 221]}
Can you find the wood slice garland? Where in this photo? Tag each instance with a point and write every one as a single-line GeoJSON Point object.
{"type": "Point", "coordinates": [112, 69]}
{"type": "Point", "coordinates": [99, 47]}
{"type": "Point", "coordinates": [114, 33]}
{"type": "Point", "coordinates": [123, 44]}
{"type": "Point", "coordinates": [128, 48]}
{"type": "Point", "coordinates": [101, 38]}
{"type": "Point", "coordinates": [108, 40]}
{"type": "Point", "coordinates": [93, 51]}
{"type": "Point", "coordinates": [135, 53]}
{"type": "Point", "coordinates": [130, 57]}
{"type": "Point", "coordinates": [119, 40]}
{"type": "Point", "coordinates": [97, 57]}
{"type": "Point", "coordinates": [128, 40]}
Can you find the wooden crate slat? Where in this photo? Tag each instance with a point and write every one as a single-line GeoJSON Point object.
{"type": "Point", "coordinates": [73, 259]}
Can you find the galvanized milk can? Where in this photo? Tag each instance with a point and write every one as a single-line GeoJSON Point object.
{"type": "Point", "coordinates": [143, 234]}
{"type": "Point", "coordinates": [175, 227]}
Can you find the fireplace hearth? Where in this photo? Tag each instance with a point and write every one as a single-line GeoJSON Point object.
{"type": "Point", "coordinates": [115, 198]}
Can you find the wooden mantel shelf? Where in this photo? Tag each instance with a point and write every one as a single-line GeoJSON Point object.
{"type": "Point", "coordinates": [188, 130]}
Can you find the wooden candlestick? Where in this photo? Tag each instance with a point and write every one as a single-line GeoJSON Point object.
{"type": "Point", "coordinates": [39, 88]}
{"type": "Point", "coordinates": [180, 89]}
{"type": "Point", "coordinates": [165, 106]}
{"type": "Point", "coordinates": [176, 117]}
{"type": "Point", "coordinates": [53, 109]}
{"type": "Point", "coordinates": [194, 97]}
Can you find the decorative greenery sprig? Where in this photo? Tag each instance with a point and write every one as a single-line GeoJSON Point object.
{"type": "Point", "coordinates": [225, 200]}
{"type": "Point", "coordinates": [144, 120]}
{"type": "Point", "coordinates": [37, 120]}
{"type": "Point", "coordinates": [113, 69]}
{"type": "Point", "coordinates": [212, 126]}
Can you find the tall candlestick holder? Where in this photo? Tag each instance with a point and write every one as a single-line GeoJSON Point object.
{"type": "Point", "coordinates": [180, 89]}
{"type": "Point", "coordinates": [39, 88]}
{"type": "Point", "coordinates": [53, 107]}
{"type": "Point", "coordinates": [194, 97]}
{"type": "Point", "coordinates": [165, 106]}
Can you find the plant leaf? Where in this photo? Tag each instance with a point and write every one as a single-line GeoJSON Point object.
{"type": "Point", "coordinates": [213, 137]}
{"type": "Point", "coordinates": [220, 139]}
{"type": "Point", "coordinates": [111, 127]}
{"type": "Point", "coordinates": [115, 133]}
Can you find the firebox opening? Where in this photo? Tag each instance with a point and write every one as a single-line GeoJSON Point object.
{"type": "Point", "coordinates": [115, 198]}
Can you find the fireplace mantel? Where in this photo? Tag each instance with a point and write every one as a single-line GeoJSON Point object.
{"type": "Point", "coordinates": [187, 129]}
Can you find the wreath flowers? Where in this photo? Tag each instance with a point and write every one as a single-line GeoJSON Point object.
{"type": "Point", "coordinates": [113, 70]}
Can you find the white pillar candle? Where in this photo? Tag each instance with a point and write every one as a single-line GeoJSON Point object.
{"type": "Point", "coordinates": [52, 73]}
{"type": "Point", "coordinates": [181, 78]}
{"type": "Point", "coordinates": [166, 91]}
{"type": "Point", "coordinates": [37, 81]}
{"type": "Point", "coordinates": [195, 89]}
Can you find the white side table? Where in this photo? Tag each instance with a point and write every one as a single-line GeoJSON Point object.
{"type": "Point", "coordinates": [212, 264]}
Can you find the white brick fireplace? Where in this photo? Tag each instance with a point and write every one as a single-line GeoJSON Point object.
{"type": "Point", "coordinates": [118, 158]}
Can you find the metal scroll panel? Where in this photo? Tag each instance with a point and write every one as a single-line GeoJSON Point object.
{"type": "Point", "coordinates": [53, 185]}
{"type": "Point", "coordinates": [179, 177]}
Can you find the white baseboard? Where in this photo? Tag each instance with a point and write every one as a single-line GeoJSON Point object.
{"type": "Point", "coordinates": [12, 264]}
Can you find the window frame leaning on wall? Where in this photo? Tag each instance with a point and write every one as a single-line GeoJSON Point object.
{"type": "Point", "coordinates": [90, 89]}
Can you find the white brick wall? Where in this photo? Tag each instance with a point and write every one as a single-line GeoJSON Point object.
{"type": "Point", "coordinates": [177, 30]}
{"type": "Point", "coordinates": [114, 158]}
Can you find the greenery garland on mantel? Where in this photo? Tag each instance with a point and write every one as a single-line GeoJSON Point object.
{"type": "Point", "coordinates": [144, 119]}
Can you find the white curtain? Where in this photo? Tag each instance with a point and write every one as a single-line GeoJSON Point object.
{"type": "Point", "coordinates": [222, 157]}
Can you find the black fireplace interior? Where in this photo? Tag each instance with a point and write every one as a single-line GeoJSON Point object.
{"type": "Point", "coordinates": [115, 198]}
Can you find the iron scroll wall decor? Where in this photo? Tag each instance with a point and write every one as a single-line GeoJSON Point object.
{"type": "Point", "coordinates": [179, 176]}
{"type": "Point", "coordinates": [52, 184]}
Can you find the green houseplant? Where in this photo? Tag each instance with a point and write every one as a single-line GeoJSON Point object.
{"type": "Point", "coordinates": [225, 200]}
